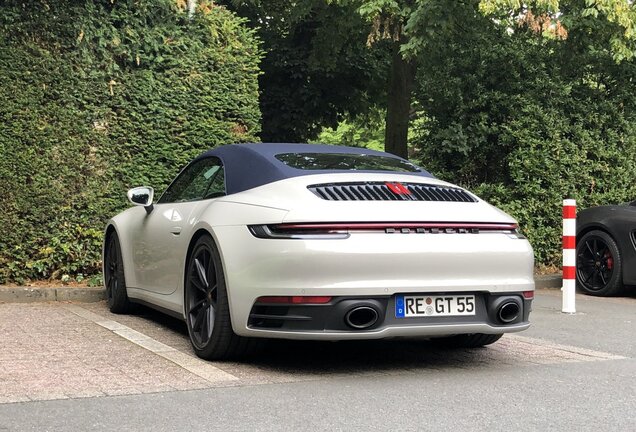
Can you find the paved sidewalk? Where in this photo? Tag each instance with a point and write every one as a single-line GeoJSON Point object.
{"type": "Point", "coordinates": [48, 352]}
{"type": "Point", "coordinates": [64, 351]}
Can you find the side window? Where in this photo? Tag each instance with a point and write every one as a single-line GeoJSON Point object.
{"type": "Point", "coordinates": [217, 187]}
{"type": "Point", "coordinates": [194, 181]}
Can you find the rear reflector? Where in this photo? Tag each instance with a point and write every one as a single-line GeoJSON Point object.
{"type": "Point", "coordinates": [528, 295]}
{"type": "Point", "coordinates": [294, 299]}
{"type": "Point", "coordinates": [343, 230]}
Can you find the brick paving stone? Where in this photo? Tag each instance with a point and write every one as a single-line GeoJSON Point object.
{"type": "Point", "coordinates": [47, 352]}
{"type": "Point", "coordinates": [13, 399]}
{"type": "Point", "coordinates": [156, 325]}
{"type": "Point", "coordinates": [60, 351]}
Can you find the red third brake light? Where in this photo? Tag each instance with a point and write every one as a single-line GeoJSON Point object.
{"type": "Point", "coordinates": [294, 299]}
{"type": "Point", "coordinates": [398, 188]}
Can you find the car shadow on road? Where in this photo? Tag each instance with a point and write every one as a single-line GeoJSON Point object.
{"type": "Point", "coordinates": [368, 355]}
{"type": "Point", "coordinates": [292, 356]}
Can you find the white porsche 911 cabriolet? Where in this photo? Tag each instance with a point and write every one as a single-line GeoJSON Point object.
{"type": "Point", "coordinates": [304, 241]}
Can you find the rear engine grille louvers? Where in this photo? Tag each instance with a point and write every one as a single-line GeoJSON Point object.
{"type": "Point", "coordinates": [387, 191]}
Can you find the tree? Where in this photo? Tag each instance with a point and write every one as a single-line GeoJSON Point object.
{"type": "Point", "coordinates": [619, 14]}
{"type": "Point", "coordinates": [528, 114]}
{"type": "Point", "coordinates": [316, 67]}
{"type": "Point", "coordinates": [330, 58]}
{"type": "Point", "coordinates": [411, 25]}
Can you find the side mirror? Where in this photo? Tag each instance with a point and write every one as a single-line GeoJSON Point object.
{"type": "Point", "coordinates": [141, 196]}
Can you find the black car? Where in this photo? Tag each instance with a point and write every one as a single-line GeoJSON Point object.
{"type": "Point", "coordinates": [606, 249]}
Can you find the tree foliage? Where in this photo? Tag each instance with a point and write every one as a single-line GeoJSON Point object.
{"type": "Point", "coordinates": [617, 16]}
{"type": "Point", "coordinates": [524, 102]}
{"type": "Point", "coordinates": [528, 120]}
{"type": "Point", "coordinates": [316, 68]}
{"type": "Point", "coordinates": [360, 131]}
{"type": "Point", "coordinates": [99, 96]}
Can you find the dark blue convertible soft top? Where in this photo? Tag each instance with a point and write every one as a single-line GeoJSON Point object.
{"type": "Point", "coordinates": [251, 165]}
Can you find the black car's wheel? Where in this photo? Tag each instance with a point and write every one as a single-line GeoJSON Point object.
{"type": "Point", "coordinates": [114, 279]}
{"type": "Point", "coordinates": [206, 306]}
{"type": "Point", "coordinates": [474, 340]}
{"type": "Point", "coordinates": [598, 264]}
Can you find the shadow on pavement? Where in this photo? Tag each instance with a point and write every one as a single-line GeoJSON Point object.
{"type": "Point", "coordinates": [292, 356]}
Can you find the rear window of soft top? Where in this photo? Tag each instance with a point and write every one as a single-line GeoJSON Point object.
{"type": "Point", "coordinates": [345, 162]}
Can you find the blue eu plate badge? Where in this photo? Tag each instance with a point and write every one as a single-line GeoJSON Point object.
{"type": "Point", "coordinates": [399, 306]}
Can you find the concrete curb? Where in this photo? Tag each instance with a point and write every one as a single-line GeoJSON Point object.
{"type": "Point", "coordinates": [95, 294]}
{"type": "Point", "coordinates": [49, 294]}
{"type": "Point", "coordinates": [548, 281]}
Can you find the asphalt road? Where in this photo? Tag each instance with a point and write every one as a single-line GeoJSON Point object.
{"type": "Point", "coordinates": [568, 372]}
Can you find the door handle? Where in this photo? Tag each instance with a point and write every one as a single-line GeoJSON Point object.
{"type": "Point", "coordinates": [175, 230]}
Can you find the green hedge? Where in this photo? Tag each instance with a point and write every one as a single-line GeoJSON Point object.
{"type": "Point", "coordinates": [99, 96]}
{"type": "Point", "coordinates": [526, 122]}
{"type": "Point", "coordinates": [559, 156]}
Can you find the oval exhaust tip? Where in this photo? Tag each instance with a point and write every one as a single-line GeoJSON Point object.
{"type": "Point", "coordinates": [361, 317]}
{"type": "Point", "coordinates": [508, 312]}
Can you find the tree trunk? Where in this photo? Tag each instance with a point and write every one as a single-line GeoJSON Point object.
{"type": "Point", "coordinates": [192, 8]}
{"type": "Point", "coordinates": [399, 104]}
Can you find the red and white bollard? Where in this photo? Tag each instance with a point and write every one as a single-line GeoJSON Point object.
{"type": "Point", "coordinates": [569, 256]}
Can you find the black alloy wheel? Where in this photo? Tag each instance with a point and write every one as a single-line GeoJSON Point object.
{"type": "Point", "coordinates": [114, 278]}
{"type": "Point", "coordinates": [207, 309]}
{"type": "Point", "coordinates": [202, 296]}
{"type": "Point", "coordinates": [598, 264]}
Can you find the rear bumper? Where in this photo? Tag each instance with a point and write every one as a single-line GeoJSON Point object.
{"type": "Point", "coordinates": [374, 266]}
{"type": "Point", "coordinates": [329, 321]}
{"type": "Point", "coordinates": [390, 332]}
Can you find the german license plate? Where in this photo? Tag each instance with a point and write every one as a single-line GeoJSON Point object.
{"type": "Point", "coordinates": [433, 305]}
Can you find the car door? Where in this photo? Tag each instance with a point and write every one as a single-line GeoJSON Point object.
{"type": "Point", "coordinates": [160, 243]}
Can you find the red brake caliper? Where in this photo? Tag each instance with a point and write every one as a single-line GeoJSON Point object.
{"type": "Point", "coordinates": [610, 262]}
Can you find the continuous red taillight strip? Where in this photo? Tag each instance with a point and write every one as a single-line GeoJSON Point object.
{"type": "Point", "coordinates": [294, 299]}
{"type": "Point", "coordinates": [384, 225]}
{"type": "Point", "coordinates": [342, 230]}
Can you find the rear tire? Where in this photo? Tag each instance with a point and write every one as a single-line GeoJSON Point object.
{"type": "Point", "coordinates": [206, 306]}
{"type": "Point", "coordinates": [114, 278]}
{"type": "Point", "coordinates": [599, 265]}
{"type": "Point", "coordinates": [474, 340]}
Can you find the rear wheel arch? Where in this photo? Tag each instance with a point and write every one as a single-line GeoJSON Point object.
{"type": "Point", "coordinates": [195, 237]}
{"type": "Point", "coordinates": [114, 274]}
{"type": "Point", "coordinates": [598, 227]}
{"type": "Point", "coordinates": [605, 229]}
{"type": "Point", "coordinates": [593, 227]}
{"type": "Point", "coordinates": [110, 230]}
{"type": "Point", "coordinates": [216, 341]}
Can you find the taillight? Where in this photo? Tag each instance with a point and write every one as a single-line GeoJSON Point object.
{"type": "Point", "coordinates": [343, 230]}
{"type": "Point", "coordinates": [528, 295]}
{"type": "Point", "coordinates": [296, 231]}
{"type": "Point", "coordinates": [296, 300]}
